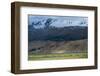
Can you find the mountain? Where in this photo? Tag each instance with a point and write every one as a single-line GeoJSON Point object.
{"type": "Point", "coordinates": [53, 33]}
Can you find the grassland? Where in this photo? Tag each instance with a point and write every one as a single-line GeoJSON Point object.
{"type": "Point", "coordinates": [55, 50]}
{"type": "Point", "coordinates": [57, 56]}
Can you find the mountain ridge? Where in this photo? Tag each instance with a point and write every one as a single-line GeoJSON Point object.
{"type": "Point", "coordinates": [58, 34]}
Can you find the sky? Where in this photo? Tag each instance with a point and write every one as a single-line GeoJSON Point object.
{"type": "Point", "coordinates": [58, 21]}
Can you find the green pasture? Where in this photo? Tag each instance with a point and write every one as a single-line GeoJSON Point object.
{"type": "Point", "coordinates": [57, 56]}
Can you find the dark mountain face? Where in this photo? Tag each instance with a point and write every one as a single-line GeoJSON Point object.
{"type": "Point", "coordinates": [57, 34]}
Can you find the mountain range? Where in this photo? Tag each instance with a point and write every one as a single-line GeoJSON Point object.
{"type": "Point", "coordinates": [53, 33]}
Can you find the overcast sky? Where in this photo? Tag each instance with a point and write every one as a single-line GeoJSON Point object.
{"type": "Point", "coordinates": [58, 21]}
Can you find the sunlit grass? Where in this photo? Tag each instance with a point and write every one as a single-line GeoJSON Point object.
{"type": "Point", "coordinates": [57, 56]}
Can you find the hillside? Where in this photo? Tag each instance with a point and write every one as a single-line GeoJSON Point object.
{"type": "Point", "coordinates": [50, 47]}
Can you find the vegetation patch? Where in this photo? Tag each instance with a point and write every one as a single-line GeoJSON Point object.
{"type": "Point", "coordinates": [57, 56]}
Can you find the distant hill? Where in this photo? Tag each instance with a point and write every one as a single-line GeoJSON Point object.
{"type": "Point", "coordinates": [68, 33]}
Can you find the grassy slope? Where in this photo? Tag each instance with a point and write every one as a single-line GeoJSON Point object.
{"type": "Point", "coordinates": [58, 50]}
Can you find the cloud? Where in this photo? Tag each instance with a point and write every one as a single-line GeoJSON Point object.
{"type": "Point", "coordinates": [60, 21]}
